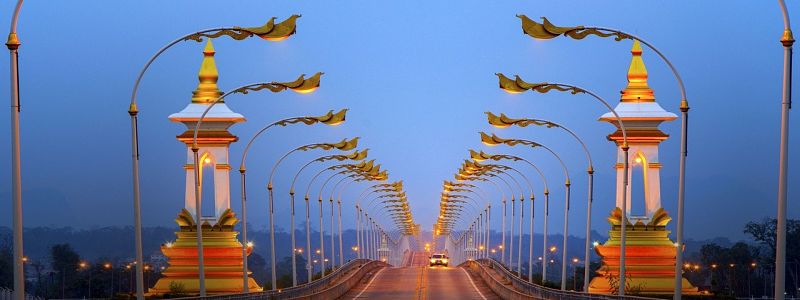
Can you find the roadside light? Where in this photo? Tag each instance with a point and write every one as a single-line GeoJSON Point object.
{"type": "Point", "coordinates": [553, 249]}
{"type": "Point", "coordinates": [687, 265]}
{"type": "Point", "coordinates": [753, 265]}
{"type": "Point", "coordinates": [713, 266]}
{"type": "Point", "coordinates": [318, 252]}
{"type": "Point", "coordinates": [24, 259]}
{"type": "Point", "coordinates": [107, 265]}
{"type": "Point", "coordinates": [82, 264]}
{"type": "Point", "coordinates": [732, 265]}
{"type": "Point", "coordinates": [575, 260]}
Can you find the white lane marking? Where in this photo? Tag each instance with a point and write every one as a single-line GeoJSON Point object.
{"type": "Point", "coordinates": [370, 283]}
{"type": "Point", "coordinates": [473, 284]}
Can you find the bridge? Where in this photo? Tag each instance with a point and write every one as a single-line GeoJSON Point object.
{"type": "Point", "coordinates": [412, 277]}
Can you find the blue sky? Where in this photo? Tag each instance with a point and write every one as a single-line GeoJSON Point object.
{"type": "Point", "coordinates": [417, 77]}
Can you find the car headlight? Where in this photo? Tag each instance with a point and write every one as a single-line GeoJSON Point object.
{"type": "Point", "coordinates": [444, 260]}
{"type": "Point", "coordinates": [433, 260]}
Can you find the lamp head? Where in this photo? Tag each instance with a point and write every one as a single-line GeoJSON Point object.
{"type": "Point", "coordinates": [276, 32]}
{"type": "Point", "coordinates": [489, 140]}
{"type": "Point", "coordinates": [509, 85]}
{"type": "Point", "coordinates": [333, 119]}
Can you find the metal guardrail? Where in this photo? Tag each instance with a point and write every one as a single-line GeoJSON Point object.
{"type": "Point", "coordinates": [521, 289]}
{"type": "Point", "coordinates": [8, 294]}
{"type": "Point", "coordinates": [329, 287]}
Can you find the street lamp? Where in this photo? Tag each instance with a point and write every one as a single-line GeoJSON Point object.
{"type": "Point", "coordinates": [503, 121]}
{"type": "Point", "coordinates": [481, 156]}
{"type": "Point", "coordinates": [494, 140]}
{"type": "Point", "coordinates": [480, 177]}
{"type": "Point", "coordinates": [476, 170]}
{"type": "Point", "coordinates": [518, 86]}
{"type": "Point", "coordinates": [547, 30]}
{"type": "Point", "coordinates": [13, 44]}
{"type": "Point", "coordinates": [269, 31]}
{"type": "Point", "coordinates": [787, 40]}
{"type": "Point", "coordinates": [343, 145]}
{"type": "Point", "coordinates": [363, 166]}
{"type": "Point", "coordinates": [301, 85]}
{"type": "Point", "coordinates": [495, 167]}
{"type": "Point", "coordinates": [375, 171]}
{"type": "Point", "coordinates": [355, 156]}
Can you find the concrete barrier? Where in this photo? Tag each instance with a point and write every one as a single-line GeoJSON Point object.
{"type": "Point", "coordinates": [510, 286]}
{"type": "Point", "coordinates": [332, 286]}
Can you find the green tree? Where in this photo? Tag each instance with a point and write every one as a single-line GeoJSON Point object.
{"type": "Point", "coordinates": [65, 263]}
{"type": "Point", "coordinates": [6, 265]}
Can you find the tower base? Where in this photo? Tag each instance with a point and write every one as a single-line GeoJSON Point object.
{"type": "Point", "coordinates": [649, 259]}
{"type": "Point", "coordinates": [222, 254]}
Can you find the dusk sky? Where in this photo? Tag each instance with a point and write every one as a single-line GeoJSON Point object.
{"type": "Point", "coordinates": [417, 77]}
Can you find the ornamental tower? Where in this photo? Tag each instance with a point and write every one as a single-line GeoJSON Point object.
{"type": "Point", "coordinates": [223, 254]}
{"type": "Point", "coordinates": [213, 140]}
{"type": "Point", "coordinates": [650, 254]}
{"type": "Point", "coordinates": [641, 115]}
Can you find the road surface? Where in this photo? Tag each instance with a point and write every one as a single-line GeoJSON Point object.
{"type": "Point", "coordinates": [416, 280]}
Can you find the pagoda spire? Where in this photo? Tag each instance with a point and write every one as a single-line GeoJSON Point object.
{"type": "Point", "coordinates": [637, 89]}
{"type": "Point", "coordinates": [207, 90]}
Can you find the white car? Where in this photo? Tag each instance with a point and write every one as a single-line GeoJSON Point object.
{"type": "Point", "coordinates": [439, 259]}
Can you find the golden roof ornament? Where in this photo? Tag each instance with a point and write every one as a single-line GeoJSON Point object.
{"type": "Point", "coordinates": [207, 90]}
{"type": "Point", "coordinates": [637, 89]}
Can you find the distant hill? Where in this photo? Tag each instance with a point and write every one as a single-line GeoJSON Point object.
{"type": "Point", "coordinates": [117, 243]}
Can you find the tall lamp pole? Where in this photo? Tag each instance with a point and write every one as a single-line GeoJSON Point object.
{"type": "Point", "coordinates": [547, 30]}
{"type": "Point", "coordinates": [518, 86]}
{"type": "Point", "coordinates": [269, 31]}
{"type": "Point", "coordinates": [783, 169]}
{"type": "Point", "coordinates": [502, 122]}
{"type": "Point", "coordinates": [16, 174]}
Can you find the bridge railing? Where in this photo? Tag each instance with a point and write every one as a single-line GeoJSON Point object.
{"type": "Point", "coordinates": [332, 286]}
{"type": "Point", "coordinates": [521, 289]}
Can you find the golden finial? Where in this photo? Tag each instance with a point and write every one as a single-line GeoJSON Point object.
{"type": "Point", "coordinates": [207, 90]}
{"type": "Point", "coordinates": [637, 89]}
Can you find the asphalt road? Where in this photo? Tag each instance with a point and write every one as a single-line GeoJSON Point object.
{"type": "Point", "coordinates": [416, 280]}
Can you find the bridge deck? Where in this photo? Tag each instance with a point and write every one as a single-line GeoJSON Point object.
{"type": "Point", "coordinates": [416, 280]}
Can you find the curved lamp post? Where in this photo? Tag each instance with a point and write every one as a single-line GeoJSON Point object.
{"type": "Point", "coordinates": [547, 30]}
{"type": "Point", "coordinates": [301, 85]}
{"type": "Point", "coordinates": [375, 170]}
{"type": "Point", "coordinates": [452, 189]}
{"type": "Point", "coordinates": [269, 31]}
{"type": "Point", "coordinates": [472, 171]}
{"type": "Point", "coordinates": [13, 44]}
{"type": "Point", "coordinates": [339, 205]}
{"type": "Point", "coordinates": [464, 177]}
{"type": "Point", "coordinates": [362, 166]}
{"type": "Point", "coordinates": [343, 145]}
{"type": "Point", "coordinates": [522, 211]}
{"type": "Point", "coordinates": [494, 140]}
{"type": "Point", "coordinates": [787, 40]}
{"type": "Point", "coordinates": [481, 156]}
{"type": "Point", "coordinates": [355, 156]}
{"type": "Point", "coordinates": [518, 86]}
{"type": "Point", "coordinates": [454, 185]}
{"type": "Point", "coordinates": [503, 122]}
